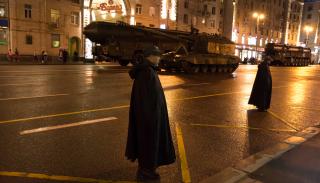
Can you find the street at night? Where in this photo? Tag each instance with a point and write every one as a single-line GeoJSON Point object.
{"type": "Point", "coordinates": [72, 120]}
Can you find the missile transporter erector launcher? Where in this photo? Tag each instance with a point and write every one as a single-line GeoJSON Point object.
{"type": "Point", "coordinates": [182, 51]}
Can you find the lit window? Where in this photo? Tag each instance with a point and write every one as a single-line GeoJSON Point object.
{"type": "Point", "coordinates": [75, 18]}
{"type": "Point", "coordinates": [3, 37]}
{"type": "Point", "coordinates": [55, 39]}
{"type": "Point", "coordinates": [55, 18]}
{"type": "Point", "coordinates": [27, 10]}
{"type": "Point", "coordinates": [2, 11]}
{"type": "Point", "coordinates": [163, 26]}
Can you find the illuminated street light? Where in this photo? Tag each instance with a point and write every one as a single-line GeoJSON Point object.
{"type": "Point", "coordinates": [258, 16]}
{"type": "Point", "coordinates": [308, 29]}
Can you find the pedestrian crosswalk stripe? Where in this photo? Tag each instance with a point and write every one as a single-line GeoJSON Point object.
{"type": "Point", "coordinates": [57, 177]}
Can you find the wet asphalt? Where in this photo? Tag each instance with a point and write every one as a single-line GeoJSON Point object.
{"type": "Point", "coordinates": [218, 127]}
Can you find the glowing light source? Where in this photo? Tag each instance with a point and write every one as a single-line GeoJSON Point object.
{"type": "Point", "coordinates": [308, 29]}
{"type": "Point", "coordinates": [252, 40]}
{"type": "Point", "coordinates": [243, 39]}
{"type": "Point", "coordinates": [132, 20]}
{"type": "Point", "coordinates": [164, 9]}
{"type": "Point", "coordinates": [173, 10]}
{"type": "Point", "coordinates": [163, 26]}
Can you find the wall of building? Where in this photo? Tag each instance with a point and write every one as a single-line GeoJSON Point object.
{"type": "Point", "coordinates": [311, 17]}
{"type": "Point", "coordinates": [4, 24]}
{"type": "Point", "coordinates": [32, 18]}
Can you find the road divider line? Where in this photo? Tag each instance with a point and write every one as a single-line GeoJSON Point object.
{"type": "Point", "coordinates": [283, 120]}
{"type": "Point", "coordinates": [107, 109]}
{"type": "Point", "coordinates": [43, 96]}
{"type": "Point", "coordinates": [243, 127]}
{"type": "Point", "coordinates": [63, 114]}
{"type": "Point", "coordinates": [57, 177]}
{"type": "Point", "coordinates": [304, 108]}
{"type": "Point", "coordinates": [20, 84]}
{"type": "Point", "coordinates": [217, 94]}
{"type": "Point", "coordinates": [50, 128]}
{"type": "Point", "coordinates": [182, 155]}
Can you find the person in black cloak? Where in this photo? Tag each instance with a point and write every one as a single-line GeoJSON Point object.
{"type": "Point", "coordinates": [149, 137]}
{"type": "Point", "coordinates": [262, 87]}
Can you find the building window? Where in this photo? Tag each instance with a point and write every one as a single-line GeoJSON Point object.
{"type": "Point", "coordinates": [75, 18]}
{"type": "Point", "coordinates": [27, 10]}
{"type": "Point", "coordinates": [138, 9]}
{"type": "Point", "coordinates": [213, 11]}
{"type": "Point", "coordinates": [76, 1]}
{"type": "Point", "coordinates": [185, 19]}
{"type": "Point", "coordinates": [28, 39]}
{"type": "Point", "coordinates": [152, 11]}
{"type": "Point", "coordinates": [213, 24]}
{"type": "Point", "coordinates": [55, 40]}
{"type": "Point", "coordinates": [309, 16]}
{"type": "Point", "coordinates": [55, 18]}
{"type": "Point", "coordinates": [310, 8]}
{"type": "Point", "coordinates": [205, 9]}
{"type": "Point", "coordinates": [2, 11]}
{"type": "Point", "coordinates": [3, 37]}
{"type": "Point", "coordinates": [186, 4]}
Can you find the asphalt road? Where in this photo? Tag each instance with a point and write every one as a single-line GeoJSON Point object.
{"type": "Point", "coordinates": [86, 108]}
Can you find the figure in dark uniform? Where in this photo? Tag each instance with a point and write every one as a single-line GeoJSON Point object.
{"type": "Point", "coordinates": [262, 87]}
{"type": "Point", "coordinates": [149, 137]}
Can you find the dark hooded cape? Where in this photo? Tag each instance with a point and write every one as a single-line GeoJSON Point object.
{"type": "Point", "coordinates": [262, 87]}
{"type": "Point", "coordinates": [149, 137]}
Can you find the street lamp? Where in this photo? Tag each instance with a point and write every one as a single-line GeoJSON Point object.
{"type": "Point", "coordinates": [258, 16]}
{"type": "Point", "coordinates": [308, 29]}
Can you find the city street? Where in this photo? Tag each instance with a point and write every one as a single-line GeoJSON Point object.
{"type": "Point", "coordinates": [63, 123]}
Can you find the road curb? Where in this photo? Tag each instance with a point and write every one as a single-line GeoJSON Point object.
{"type": "Point", "coordinates": [240, 172]}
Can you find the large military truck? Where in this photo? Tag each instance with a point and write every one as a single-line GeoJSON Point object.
{"type": "Point", "coordinates": [182, 51]}
{"type": "Point", "coordinates": [286, 55]}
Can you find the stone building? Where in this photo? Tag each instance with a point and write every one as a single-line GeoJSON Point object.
{"type": "Point", "coordinates": [257, 23]}
{"type": "Point", "coordinates": [41, 25]}
{"type": "Point", "coordinates": [310, 30]}
{"type": "Point", "coordinates": [165, 14]}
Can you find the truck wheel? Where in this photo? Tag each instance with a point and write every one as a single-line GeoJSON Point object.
{"type": "Point", "coordinates": [123, 62]}
{"type": "Point", "coordinates": [190, 68]}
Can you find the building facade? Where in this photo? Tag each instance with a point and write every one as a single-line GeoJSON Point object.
{"type": "Point", "coordinates": [310, 30]}
{"type": "Point", "coordinates": [257, 23]}
{"type": "Point", "coordinates": [42, 25]}
{"type": "Point", "coordinates": [182, 15]}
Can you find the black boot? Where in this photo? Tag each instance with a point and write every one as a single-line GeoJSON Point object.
{"type": "Point", "coordinates": [144, 174]}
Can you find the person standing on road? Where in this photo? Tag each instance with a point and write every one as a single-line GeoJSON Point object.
{"type": "Point", "coordinates": [10, 55]}
{"type": "Point", "coordinates": [149, 137]}
{"type": "Point", "coordinates": [16, 54]}
{"type": "Point", "coordinates": [262, 87]}
{"type": "Point", "coordinates": [64, 56]}
{"type": "Point", "coordinates": [44, 57]}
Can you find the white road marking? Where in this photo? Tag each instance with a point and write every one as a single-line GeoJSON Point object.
{"type": "Point", "coordinates": [49, 128]}
{"type": "Point", "coordinates": [19, 84]}
{"type": "Point", "coordinates": [43, 96]}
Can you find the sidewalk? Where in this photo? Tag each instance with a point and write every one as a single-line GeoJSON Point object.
{"type": "Point", "coordinates": [299, 165]}
{"type": "Point", "coordinates": [293, 160]}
